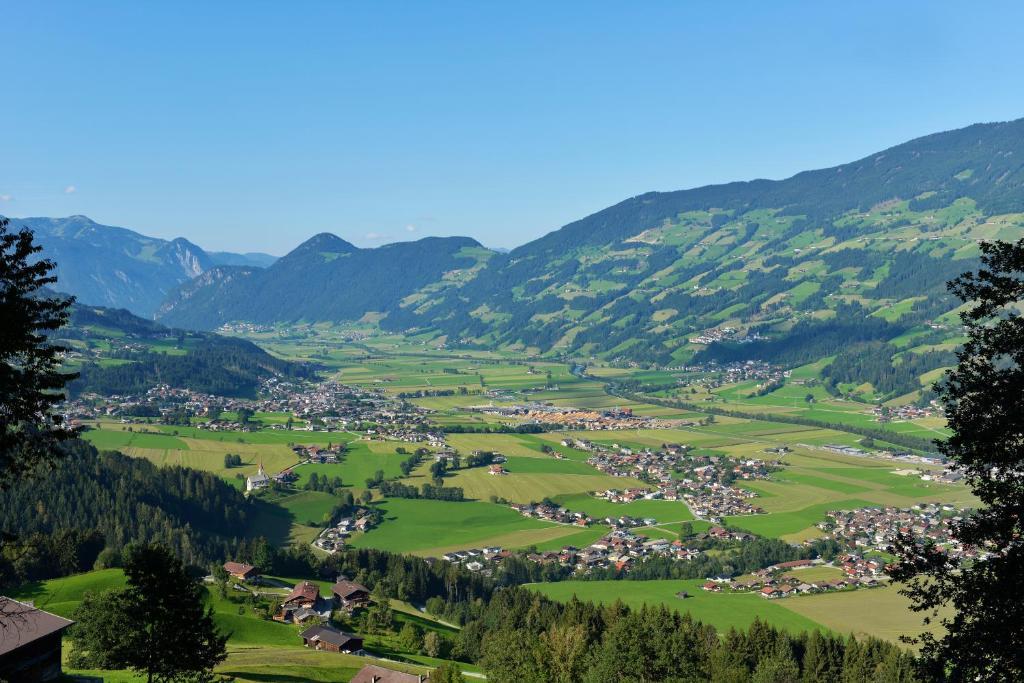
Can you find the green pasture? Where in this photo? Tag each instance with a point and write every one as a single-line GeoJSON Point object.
{"type": "Point", "coordinates": [665, 511]}
{"type": "Point", "coordinates": [434, 527]}
{"type": "Point", "coordinates": [721, 610]}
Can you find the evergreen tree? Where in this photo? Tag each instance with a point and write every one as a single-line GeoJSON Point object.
{"type": "Point", "coordinates": [776, 668]}
{"type": "Point", "coordinates": [411, 637]}
{"type": "Point", "coordinates": [856, 665]}
{"type": "Point", "coordinates": [31, 382]}
{"type": "Point", "coordinates": [512, 655]}
{"type": "Point", "coordinates": [984, 639]}
{"type": "Point", "coordinates": [157, 626]}
{"type": "Point", "coordinates": [823, 658]}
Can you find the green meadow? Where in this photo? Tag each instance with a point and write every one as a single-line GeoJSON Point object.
{"type": "Point", "coordinates": [721, 610]}
{"type": "Point", "coordinates": [434, 527]}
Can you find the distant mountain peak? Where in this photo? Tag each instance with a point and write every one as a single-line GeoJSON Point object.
{"type": "Point", "coordinates": [117, 267]}
{"type": "Point", "coordinates": [328, 241]}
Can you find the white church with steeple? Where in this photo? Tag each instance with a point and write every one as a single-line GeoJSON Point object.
{"type": "Point", "coordinates": [259, 480]}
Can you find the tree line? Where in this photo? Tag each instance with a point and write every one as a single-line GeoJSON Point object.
{"type": "Point", "coordinates": [92, 505]}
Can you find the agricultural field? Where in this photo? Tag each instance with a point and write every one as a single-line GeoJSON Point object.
{"type": "Point", "coordinates": [434, 527]}
{"type": "Point", "coordinates": [812, 481]}
{"type": "Point", "coordinates": [880, 612]}
{"type": "Point", "coordinates": [817, 481]}
{"type": "Point", "coordinates": [533, 479]}
{"type": "Point", "coordinates": [721, 610]}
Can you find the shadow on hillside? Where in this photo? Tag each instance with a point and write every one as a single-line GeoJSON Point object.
{"type": "Point", "coordinates": [272, 522]}
{"type": "Point", "coordinates": [33, 591]}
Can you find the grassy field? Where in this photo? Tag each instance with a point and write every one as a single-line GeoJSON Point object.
{"type": "Point", "coordinates": [880, 612]}
{"type": "Point", "coordinates": [816, 481]}
{"type": "Point", "coordinates": [524, 487]}
{"type": "Point", "coordinates": [118, 439]}
{"type": "Point", "coordinates": [434, 527]}
{"type": "Point", "coordinates": [665, 511]}
{"type": "Point", "coordinates": [361, 461]}
{"type": "Point", "coordinates": [722, 610]}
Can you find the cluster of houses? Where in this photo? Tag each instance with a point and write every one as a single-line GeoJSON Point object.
{"type": "Point", "coordinates": [723, 334]}
{"type": "Point", "coordinates": [476, 559]}
{"type": "Point", "coordinates": [575, 418]}
{"type": "Point", "coordinates": [332, 539]}
{"type": "Point", "coordinates": [712, 375]}
{"type": "Point", "coordinates": [784, 580]}
{"type": "Point", "coordinates": [306, 606]}
{"type": "Point", "coordinates": [554, 513]}
{"type": "Point", "coordinates": [305, 603]}
{"type": "Point", "coordinates": [320, 454]}
{"type": "Point", "coordinates": [703, 482]}
{"type": "Point", "coordinates": [715, 501]}
{"type": "Point", "coordinates": [621, 549]}
{"type": "Point", "coordinates": [876, 528]}
{"type": "Point", "coordinates": [324, 406]}
{"type": "Point", "coordinates": [904, 412]}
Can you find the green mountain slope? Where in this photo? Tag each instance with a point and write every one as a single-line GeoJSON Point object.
{"type": "Point", "coordinates": [847, 261]}
{"type": "Point", "coordinates": [325, 278]}
{"type": "Point", "coordinates": [859, 252]}
{"type": "Point", "coordinates": [116, 352]}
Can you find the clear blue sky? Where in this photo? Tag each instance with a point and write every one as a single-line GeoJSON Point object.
{"type": "Point", "coordinates": [253, 125]}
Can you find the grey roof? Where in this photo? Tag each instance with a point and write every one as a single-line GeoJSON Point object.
{"type": "Point", "coordinates": [327, 634]}
{"type": "Point", "coordinates": [21, 624]}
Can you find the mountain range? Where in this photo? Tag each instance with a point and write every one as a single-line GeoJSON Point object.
{"type": "Point", "coordinates": [110, 266]}
{"type": "Point", "coordinates": [788, 269]}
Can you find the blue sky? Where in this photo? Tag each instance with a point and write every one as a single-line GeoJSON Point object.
{"type": "Point", "coordinates": [251, 126]}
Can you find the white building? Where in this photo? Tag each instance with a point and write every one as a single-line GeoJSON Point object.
{"type": "Point", "coordinates": [260, 480]}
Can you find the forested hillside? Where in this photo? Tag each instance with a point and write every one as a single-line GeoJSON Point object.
{"type": "Point", "coordinates": [116, 352]}
{"type": "Point", "coordinates": [325, 278]}
{"type": "Point", "coordinates": [89, 501]}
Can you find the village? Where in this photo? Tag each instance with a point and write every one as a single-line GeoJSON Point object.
{"type": "Point", "coordinates": [724, 334]}
{"type": "Point", "coordinates": [904, 412]}
{"type": "Point", "coordinates": [714, 375]}
{"type": "Point", "coordinates": [787, 579]}
{"type": "Point", "coordinates": [316, 407]}
{"type": "Point", "coordinates": [877, 528]}
{"type": "Point", "coordinates": [576, 418]}
{"type": "Point", "coordinates": [703, 482]}
{"type": "Point", "coordinates": [551, 512]}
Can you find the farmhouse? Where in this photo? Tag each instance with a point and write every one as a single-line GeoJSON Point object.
{"type": "Point", "coordinates": [241, 570]}
{"type": "Point", "coordinates": [497, 469]}
{"type": "Point", "coordinates": [330, 639]}
{"type": "Point", "coordinates": [30, 642]}
{"type": "Point", "coordinates": [371, 673]}
{"type": "Point", "coordinates": [305, 594]}
{"type": "Point", "coordinates": [350, 595]}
